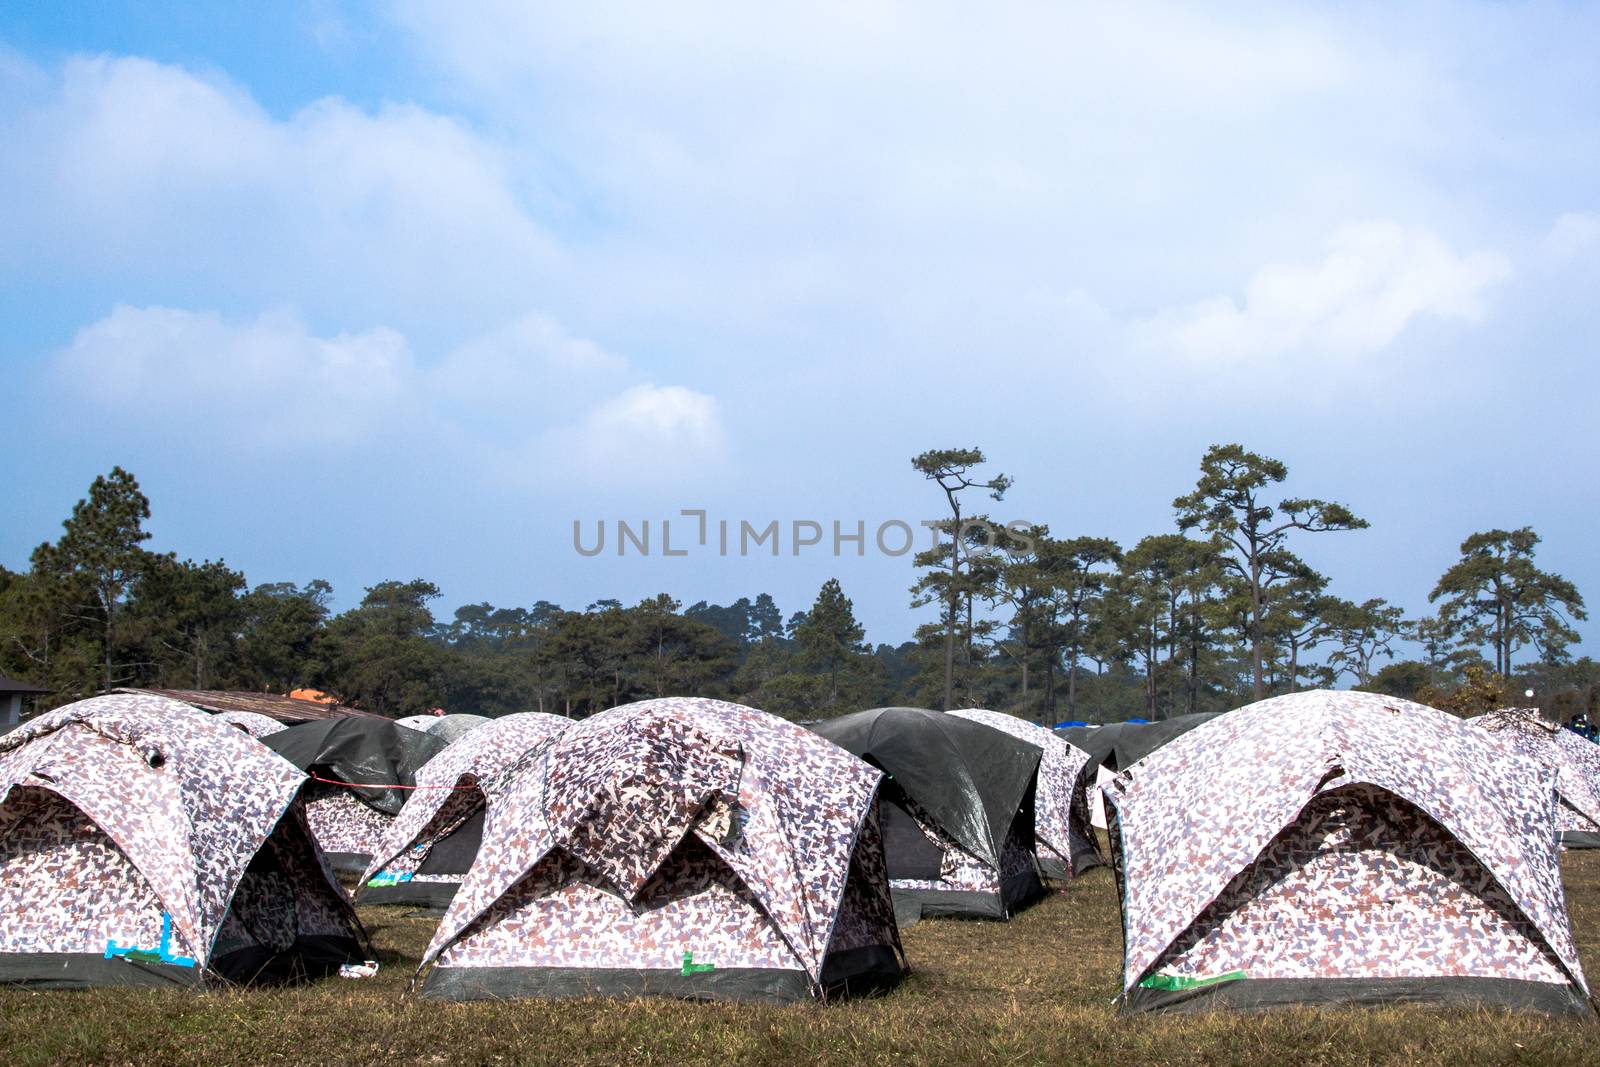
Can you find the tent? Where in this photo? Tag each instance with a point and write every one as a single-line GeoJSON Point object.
{"type": "Point", "coordinates": [142, 842]}
{"type": "Point", "coordinates": [1119, 745]}
{"type": "Point", "coordinates": [958, 819]}
{"type": "Point", "coordinates": [1340, 847]}
{"type": "Point", "coordinates": [423, 855]}
{"type": "Point", "coordinates": [420, 723]}
{"type": "Point", "coordinates": [362, 769]}
{"type": "Point", "coordinates": [1577, 763]}
{"type": "Point", "coordinates": [451, 728]}
{"type": "Point", "coordinates": [251, 722]}
{"type": "Point", "coordinates": [678, 847]}
{"type": "Point", "coordinates": [1064, 841]}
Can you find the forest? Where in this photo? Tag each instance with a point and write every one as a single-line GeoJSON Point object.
{"type": "Point", "coordinates": [1211, 614]}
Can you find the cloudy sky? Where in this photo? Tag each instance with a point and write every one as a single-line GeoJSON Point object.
{"type": "Point", "coordinates": [367, 291]}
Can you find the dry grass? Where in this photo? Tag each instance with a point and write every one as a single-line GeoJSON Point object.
{"type": "Point", "coordinates": [1036, 990]}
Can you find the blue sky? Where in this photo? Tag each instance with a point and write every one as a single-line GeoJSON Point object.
{"type": "Point", "coordinates": [393, 290]}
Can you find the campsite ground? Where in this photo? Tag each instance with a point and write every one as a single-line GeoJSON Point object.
{"type": "Point", "coordinates": [1035, 990]}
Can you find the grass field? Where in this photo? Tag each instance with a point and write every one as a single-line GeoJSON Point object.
{"type": "Point", "coordinates": [1036, 990]}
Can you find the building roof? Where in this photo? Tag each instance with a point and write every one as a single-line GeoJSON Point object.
{"type": "Point", "coordinates": [282, 708]}
{"type": "Point", "coordinates": [11, 685]}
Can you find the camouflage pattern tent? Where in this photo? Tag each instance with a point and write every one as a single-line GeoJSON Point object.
{"type": "Point", "coordinates": [957, 810]}
{"type": "Point", "coordinates": [143, 842]}
{"type": "Point", "coordinates": [1576, 760]}
{"type": "Point", "coordinates": [363, 769]}
{"type": "Point", "coordinates": [425, 852]}
{"type": "Point", "coordinates": [1064, 841]}
{"type": "Point", "coordinates": [678, 847]}
{"type": "Point", "coordinates": [1328, 847]}
{"type": "Point", "coordinates": [251, 722]}
{"type": "Point", "coordinates": [1116, 746]}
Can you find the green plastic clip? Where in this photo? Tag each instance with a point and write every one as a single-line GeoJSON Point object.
{"type": "Point", "coordinates": [691, 967]}
{"type": "Point", "coordinates": [1174, 982]}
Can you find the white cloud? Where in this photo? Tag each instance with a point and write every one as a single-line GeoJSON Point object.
{"type": "Point", "coordinates": [693, 169]}
{"type": "Point", "coordinates": [1573, 234]}
{"type": "Point", "coordinates": [266, 380]}
{"type": "Point", "coordinates": [1375, 279]}
{"type": "Point", "coordinates": [528, 398]}
{"type": "Point", "coordinates": [1024, 137]}
{"type": "Point", "coordinates": [796, 201]}
{"type": "Point", "coordinates": [643, 432]}
{"type": "Point", "coordinates": [148, 173]}
{"type": "Point", "coordinates": [733, 181]}
{"type": "Point", "coordinates": [530, 367]}
{"type": "Point", "coordinates": [696, 51]}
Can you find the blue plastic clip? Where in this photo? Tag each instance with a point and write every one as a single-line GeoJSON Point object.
{"type": "Point", "coordinates": [386, 878]}
{"type": "Point", "coordinates": [145, 955]}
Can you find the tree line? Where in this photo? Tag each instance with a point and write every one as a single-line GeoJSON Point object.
{"type": "Point", "coordinates": [97, 610]}
{"type": "Point", "coordinates": [1216, 612]}
{"type": "Point", "coordinates": [1221, 610]}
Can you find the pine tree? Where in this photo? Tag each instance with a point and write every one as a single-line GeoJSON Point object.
{"type": "Point", "coordinates": [831, 640]}
{"type": "Point", "coordinates": [98, 557]}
